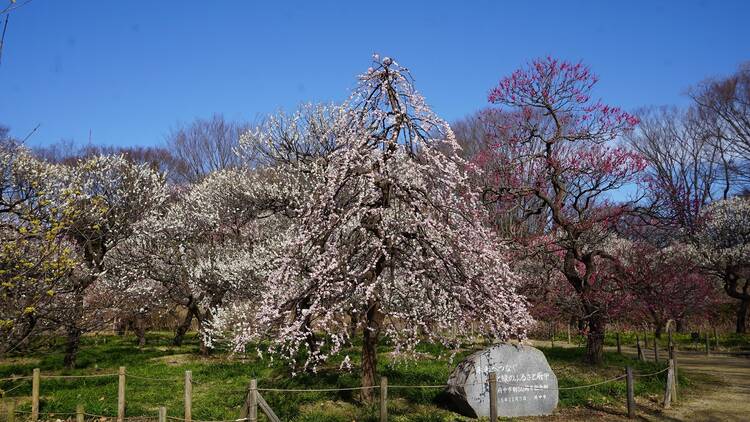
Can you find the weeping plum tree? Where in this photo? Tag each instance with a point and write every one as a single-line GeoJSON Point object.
{"type": "Point", "coordinates": [387, 228]}
{"type": "Point", "coordinates": [555, 155]}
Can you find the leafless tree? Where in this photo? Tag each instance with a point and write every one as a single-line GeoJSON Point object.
{"type": "Point", "coordinates": [205, 146]}
{"type": "Point", "coordinates": [723, 106]}
{"type": "Point", "coordinates": [689, 167]}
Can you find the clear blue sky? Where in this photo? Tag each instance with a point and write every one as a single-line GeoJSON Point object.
{"type": "Point", "coordinates": [129, 70]}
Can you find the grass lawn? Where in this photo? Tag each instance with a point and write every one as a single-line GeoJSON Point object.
{"type": "Point", "coordinates": [220, 381]}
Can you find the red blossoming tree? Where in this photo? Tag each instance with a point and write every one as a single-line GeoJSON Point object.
{"type": "Point", "coordinates": [554, 154]}
{"type": "Point", "coordinates": [664, 283]}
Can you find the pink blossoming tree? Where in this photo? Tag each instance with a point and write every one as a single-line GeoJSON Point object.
{"type": "Point", "coordinates": [555, 154]}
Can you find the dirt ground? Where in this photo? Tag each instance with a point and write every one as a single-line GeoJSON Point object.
{"type": "Point", "coordinates": [726, 399]}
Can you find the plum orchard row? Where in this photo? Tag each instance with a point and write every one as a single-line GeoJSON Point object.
{"type": "Point", "coordinates": [255, 401]}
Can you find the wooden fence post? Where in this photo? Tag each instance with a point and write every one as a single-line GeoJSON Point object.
{"type": "Point", "coordinates": [79, 413]}
{"type": "Point", "coordinates": [670, 386]}
{"type": "Point", "coordinates": [674, 380]}
{"type": "Point", "coordinates": [716, 340]}
{"type": "Point", "coordinates": [673, 358]}
{"type": "Point", "coordinates": [631, 392]}
{"type": "Point", "coordinates": [617, 338]}
{"type": "Point", "coordinates": [708, 344]}
{"type": "Point", "coordinates": [638, 347]}
{"type": "Point", "coordinates": [383, 399]}
{"type": "Point", "coordinates": [656, 350]}
{"type": "Point", "coordinates": [121, 394]}
{"type": "Point", "coordinates": [569, 334]}
{"type": "Point", "coordinates": [188, 396]}
{"type": "Point", "coordinates": [252, 411]}
{"type": "Point", "coordinates": [552, 334]}
{"type": "Point", "coordinates": [11, 410]}
{"type": "Point", "coordinates": [671, 343]}
{"type": "Point", "coordinates": [36, 377]}
{"type": "Point", "coordinates": [162, 414]}
{"type": "Point", "coordinates": [493, 397]}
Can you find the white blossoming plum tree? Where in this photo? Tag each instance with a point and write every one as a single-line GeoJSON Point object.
{"type": "Point", "coordinates": [723, 242]}
{"type": "Point", "coordinates": [203, 246]}
{"type": "Point", "coordinates": [104, 197]}
{"type": "Point", "coordinates": [390, 229]}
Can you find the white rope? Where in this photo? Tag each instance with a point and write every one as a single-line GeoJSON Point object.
{"type": "Point", "coordinates": [77, 376]}
{"type": "Point", "coordinates": [302, 390]}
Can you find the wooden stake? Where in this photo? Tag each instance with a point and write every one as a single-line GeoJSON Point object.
{"type": "Point", "coordinates": [670, 387]}
{"type": "Point", "coordinates": [266, 408]}
{"type": "Point", "coordinates": [493, 397]}
{"type": "Point", "coordinates": [188, 396]}
{"type": "Point", "coordinates": [162, 414]}
{"type": "Point", "coordinates": [716, 340]}
{"type": "Point", "coordinates": [671, 343]}
{"type": "Point", "coordinates": [674, 380]}
{"type": "Point", "coordinates": [552, 334]}
{"type": "Point", "coordinates": [638, 347]}
{"type": "Point", "coordinates": [35, 380]}
{"type": "Point", "coordinates": [617, 338]}
{"type": "Point", "coordinates": [79, 413]}
{"type": "Point", "coordinates": [656, 350]}
{"type": "Point", "coordinates": [569, 334]}
{"type": "Point", "coordinates": [121, 394]}
{"type": "Point", "coordinates": [252, 411]}
{"type": "Point", "coordinates": [708, 345]}
{"type": "Point", "coordinates": [631, 392]}
{"type": "Point", "coordinates": [383, 399]}
{"type": "Point", "coordinates": [11, 410]}
{"type": "Point", "coordinates": [673, 357]}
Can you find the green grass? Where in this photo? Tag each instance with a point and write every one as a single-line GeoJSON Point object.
{"type": "Point", "coordinates": [220, 381]}
{"type": "Point", "coordinates": [728, 342]}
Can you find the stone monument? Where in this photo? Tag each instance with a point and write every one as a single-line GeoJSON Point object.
{"type": "Point", "coordinates": [526, 385]}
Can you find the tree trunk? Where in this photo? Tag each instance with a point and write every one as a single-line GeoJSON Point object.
{"type": "Point", "coordinates": [742, 316]}
{"type": "Point", "coordinates": [680, 325]}
{"type": "Point", "coordinates": [120, 327]}
{"type": "Point", "coordinates": [595, 339]}
{"type": "Point", "coordinates": [74, 331]}
{"type": "Point", "coordinates": [371, 333]}
{"type": "Point", "coordinates": [140, 330]}
{"type": "Point", "coordinates": [658, 330]}
{"type": "Point", "coordinates": [182, 329]}
{"type": "Point", "coordinates": [72, 344]}
{"type": "Point", "coordinates": [353, 323]}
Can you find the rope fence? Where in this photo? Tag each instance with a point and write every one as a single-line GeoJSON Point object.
{"type": "Point", "coordinates": [254, 399]}
{"type": "Point", "coordinates": [77, 376]}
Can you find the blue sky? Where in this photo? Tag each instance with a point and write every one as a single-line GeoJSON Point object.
{"type": "Point", "coordinates": [128, 71]}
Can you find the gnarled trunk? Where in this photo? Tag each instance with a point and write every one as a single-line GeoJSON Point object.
{"type": "Point", "coordinates": [371, 334]}
{"type": "Point", "coordinates": [742, 316]}
{"type": "Point", "coordinates": [595, 339]}
{"type": "Point", "coordinates": [738, 288]}
{"type": "Point", "coordinates": [182, 329]}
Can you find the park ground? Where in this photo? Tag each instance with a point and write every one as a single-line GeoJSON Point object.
{"type": "Point", "coordinates": [713, 388]}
